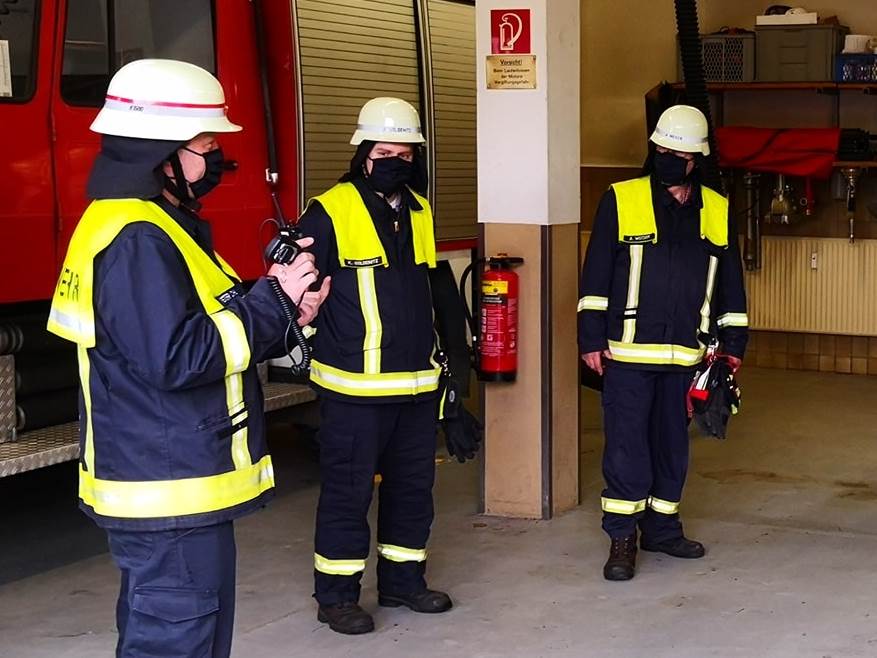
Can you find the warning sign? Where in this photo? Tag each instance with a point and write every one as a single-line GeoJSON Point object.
{"type": "Point", "coordinates": [511, 71]}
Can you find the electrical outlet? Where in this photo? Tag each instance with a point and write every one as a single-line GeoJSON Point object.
{"type": "Point", "coordinates": [814, 260]}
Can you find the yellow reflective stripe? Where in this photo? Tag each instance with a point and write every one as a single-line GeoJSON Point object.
{"type": "Point", "coordinates": [658, 354]}
{"type": "Point", "coordinates": [733, 320]}
{"type": "Point", "coordinates": [663, 506]}
{"type": "Point", "coordinates": [338, 567]}
{"type": "Point", "coordinates": [165, 498]}
{"type": "Point", "coordinates": [234, 341]}
{"type": "Point", "coordinates": [636, 267]}
{"type": "Point", "coordinates": [401, 554]}
{"type": "Point", "coordinates": [616, 506]}
{"type": "Point", "coordinates": [84, 380]}
{"type": "Point", "coordinates": [374, 385]}
{"type": "Point", "coordinates": [708, 296]}
{"type": "Point", "coordinates": [593, 303]}
{"type": "Point", "coordinates": [368, 300]}
{"type": "Point", "coordinates": [237, 359]}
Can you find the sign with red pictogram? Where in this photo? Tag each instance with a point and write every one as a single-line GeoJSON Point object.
{"type": "Point", "coordinates": [510, 32]}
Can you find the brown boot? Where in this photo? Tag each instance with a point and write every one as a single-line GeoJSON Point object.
{"type": "Point", "coordinates": [621, 564]}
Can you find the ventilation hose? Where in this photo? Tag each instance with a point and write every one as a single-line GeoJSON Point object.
{"type": "Point", "coordinates": [695, 83]}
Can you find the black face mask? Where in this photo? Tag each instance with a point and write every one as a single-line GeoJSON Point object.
{"type": "Point", "coordinates": [214, 162]}
{"type": "Point", "coordinates": [389, 175]}
{"type": "Point", "coordinates": [670, 169]}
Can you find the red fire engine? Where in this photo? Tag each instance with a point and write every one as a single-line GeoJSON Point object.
{"type": "Point", "coordinates": [295, 73]}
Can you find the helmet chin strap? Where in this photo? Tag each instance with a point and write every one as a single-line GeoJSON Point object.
{"type": "Point", "coordinates": [178, 189]}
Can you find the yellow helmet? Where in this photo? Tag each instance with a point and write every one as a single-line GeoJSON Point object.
{"type": "Point", "coordinates": [387, 119]}
{"type": "Point", "coordinates": [163, 99]}
{"type": "Point", "coordinates": [682, 128]}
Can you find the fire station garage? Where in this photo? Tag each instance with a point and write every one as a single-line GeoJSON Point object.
{"type": "Point", "coordinates": [438, 328]}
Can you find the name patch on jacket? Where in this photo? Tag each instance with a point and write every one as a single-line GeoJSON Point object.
{"type": "Point", "coordinates": [365, 262]}
{"type": "Point", "coordinates": [227, 296]}
{"type": "Point", "coordinates": [638, 239]}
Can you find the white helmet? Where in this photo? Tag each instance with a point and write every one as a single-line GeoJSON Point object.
{"type": "Point", "coordinates": [388, 119]}
{"type": "Point", "coordinates": [682, 128]}
{"type": "Point", "coordinates": [163, 99]}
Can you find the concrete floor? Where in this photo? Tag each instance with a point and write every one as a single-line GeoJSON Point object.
{"type": "Point", "coordinates": [786, 507]}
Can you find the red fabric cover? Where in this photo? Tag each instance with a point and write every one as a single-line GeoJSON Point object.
{"type": "Point", "coordinates": [806, 152]}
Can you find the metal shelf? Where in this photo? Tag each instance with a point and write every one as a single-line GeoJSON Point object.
{"type": "Point", "coordinates": [822, 87]}
{"type": "Point", "coordinates": [60, 443]}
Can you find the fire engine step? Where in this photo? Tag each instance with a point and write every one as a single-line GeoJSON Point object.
{"type": "Point", "coordinates": [60, 443]}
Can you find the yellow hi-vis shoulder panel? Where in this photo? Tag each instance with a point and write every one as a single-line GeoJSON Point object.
{"type": "Point", "coordinates": [72, 312]}
{"type": "Point", "coordinates": [72, 317]}
{"type": "Point", "coordinates": [636, 214]}
{"type": "Point", "coordinates": [355, 233]}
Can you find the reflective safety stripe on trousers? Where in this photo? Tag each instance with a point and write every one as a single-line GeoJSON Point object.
{"type": "Point", "coordinates": [338, 567]}
{"type": "Point", "coordinates": [616, 506]}
{"type": "Point", "coordinates": [663, 506]}
{"type": "Point", "coordinates": [401, 554]}
{"type": "Point", "coordinates": [636, 268]}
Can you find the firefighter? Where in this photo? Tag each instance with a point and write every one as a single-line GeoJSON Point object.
{"type": "Point", "coordinates": [172, 431]}
{"type": "Point", "coordinates": [375, 370]}
{"type": "Point", "coordinates": [662, 275]}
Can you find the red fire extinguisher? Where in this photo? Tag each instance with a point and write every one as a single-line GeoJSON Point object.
{"type": "Point", "coordinates": [495, 339]}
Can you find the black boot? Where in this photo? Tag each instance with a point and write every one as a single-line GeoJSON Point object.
{"type": "Point", "coordinates": [347, 618]}
{"type": "Point", "coordinates": [428, 600]}
{"type": "Point", "coordinates": [679, 547]}
{"type": "Point", "coordinates": [621, 564]}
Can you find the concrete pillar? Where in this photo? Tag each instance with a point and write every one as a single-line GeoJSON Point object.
{"type": "Point", "coordinates": [528, 205]}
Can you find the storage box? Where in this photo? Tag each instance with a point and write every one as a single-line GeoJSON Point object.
{"type": "Point", "coordinates": [726, 58]}
{"type": "Point", "coordinates": [855, 68]}
{"type": "Point", "coordinates": [797, 54]}
{"type": "Point", "coordinates": [808, 18]}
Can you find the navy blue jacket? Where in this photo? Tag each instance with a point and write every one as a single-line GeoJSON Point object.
{"type": "Point", "coordinates": [158, 396]}
{"type": "Point", "coordinates": [672, 280]}
{"type": "Point", "coordinates": [403, 293]}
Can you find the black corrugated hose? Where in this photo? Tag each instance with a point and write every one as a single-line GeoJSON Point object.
{"type": "Point", "coordinates": [695, 84]}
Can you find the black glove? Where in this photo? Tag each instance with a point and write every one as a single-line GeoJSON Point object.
{"type": "Point", "coordinates": [463, 431]}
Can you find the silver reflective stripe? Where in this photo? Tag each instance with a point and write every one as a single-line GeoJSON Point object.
{"type": "Point", "coordinates": [733, 320]}
{"type": "Point", "coordinates": [694, 141]}
{"type": "Point", "coordinates": [636, 268]}
{"type": "Point", "coordinates": [390, 130]}
{"type": "Point", "coordinates": [708, 297]}
{"type": "Point", "coordinates": [160, 109]}
{"type": "Point", "coordinates": [70, 322]}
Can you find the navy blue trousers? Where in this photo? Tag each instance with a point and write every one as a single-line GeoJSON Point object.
{"type": "Point", "coordinates": [177, 594]}
{"type": "Point", "coordinates": [357, 441]}
{"type": "Point", "coordinates": [645, 458]}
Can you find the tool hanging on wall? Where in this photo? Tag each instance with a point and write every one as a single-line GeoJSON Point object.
{"type": "Point", "coordinates": [782, 207]}
{"type": "Point", "coordinates": [752, 244]}
{"type": "Point", "coordinates": [852, 175]}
